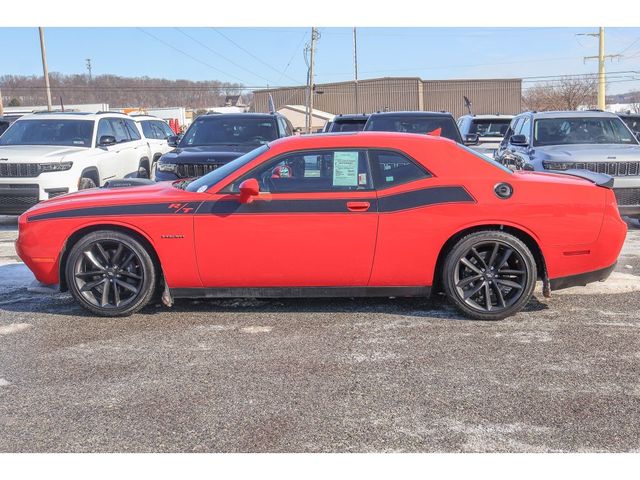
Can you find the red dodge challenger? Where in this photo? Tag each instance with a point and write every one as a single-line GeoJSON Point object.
{"type": "Point", "coordinates": [364, 214]}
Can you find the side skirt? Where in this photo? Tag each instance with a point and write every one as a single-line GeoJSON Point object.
{"type": "Point", "coordinates": [300, 292]}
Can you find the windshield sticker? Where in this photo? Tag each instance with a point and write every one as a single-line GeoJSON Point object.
{"type": "Point", "coordinates": [362, 179]}
{"type": "Point", "coordinates": [345, 169]}
{"type": "Point", "coordinates": [203, 188]}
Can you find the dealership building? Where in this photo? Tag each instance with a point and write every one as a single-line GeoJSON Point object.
{"type": "Point", "coordinates": [401, 93]}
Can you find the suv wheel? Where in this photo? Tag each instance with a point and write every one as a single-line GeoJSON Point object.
{"type": "Point", "coordinates": [489, 275]}
{"type": "Point", "coordinates": [86, 182]}
{"type": "Point", "coordinates": [110, 273]}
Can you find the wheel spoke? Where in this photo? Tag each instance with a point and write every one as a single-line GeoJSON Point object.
{"type": "Point", "coordinates": [116, 295]}
{"type": "Point", "coordinates": [509, 283]}
{"type": "Point", "coordinates": [499, 295]}
{"type": "Point", "coordinates": [505, 256]}
{"type": "Point", "coordinates": [92, 258]}
{"type": "Point", "coordinates": [116, 256]}
{"type": "Point", "coordinates": [483, 264]}
{"type": "Point", "coordinates": [105, 293]}
{"type": "Point", "coordinates": [126, 285]}
{"type": "Point", "coordinates": [130, 274]}
{"type": "Point", "coordinates": [466, 281]}
{"type": "Point", "coordinates": [511, 272]}
{"type": "Point", "coordinates": [494, 253]}
{"type": "Point", "coordinates": [87, 274]}
{"type": "Point", "coordinates": [471, 292]}
{"type": "Point", "coordinates": [487, 296]}
{"type": "Point", "coordinates": [104, 254]}
{"type": "Point", "coordinates": [470, 265]}
{"type": "Point", "coordinates": [127, 261]}
{"type": "Point", "coordinates": [90, 286]}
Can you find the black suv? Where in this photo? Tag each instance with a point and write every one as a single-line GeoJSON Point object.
{"type": "Point", "coordinates": [441, 124]}
{"type": "Point", "coordinates": [347, 123]}
{"type": "Point", "coordinates": [213, 140]}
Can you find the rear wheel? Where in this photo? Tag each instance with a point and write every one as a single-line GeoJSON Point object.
{"type": "Point", "coordinates": [143, 172]}
{"type": "Point", "coordinates": [110, 273]}
{"type": "Point", "coordinates": [489, 275]}
{"type": "Point", "coordinates": [85, 183]}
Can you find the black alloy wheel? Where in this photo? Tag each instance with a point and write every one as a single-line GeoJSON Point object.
{"type": "Point", "coordinates": [490, 275]}
{"type": "Point", "coordinates": [110, 273]}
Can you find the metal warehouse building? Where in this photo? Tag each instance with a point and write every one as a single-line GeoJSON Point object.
{"type": "Point", "coordinates": [402, 93]}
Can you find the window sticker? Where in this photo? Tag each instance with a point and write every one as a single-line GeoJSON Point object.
{"type": "Point", "coordinates": [345, 169]}
{"type": "Point", "coordinates": [388, 179]}
{"type": "Point", "coordinates": [362, 179]}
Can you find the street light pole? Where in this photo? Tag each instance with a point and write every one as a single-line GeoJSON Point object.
{"type": "Point", "coordinates": [45, 68]}
{"type": "Point", "coordinates": [355, 67]}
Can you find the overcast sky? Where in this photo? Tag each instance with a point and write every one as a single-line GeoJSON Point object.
{"type": "Point", "coordinates": [263, 56]}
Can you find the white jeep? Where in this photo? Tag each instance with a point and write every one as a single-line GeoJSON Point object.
{"type": "Point", "coordinates": [44, 155]}
{"type": "Point", "coordinates": [156, 132]}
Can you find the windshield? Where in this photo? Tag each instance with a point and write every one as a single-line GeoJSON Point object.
{"type": "Point", "coordinates": [490, 127]}
{"type": "Point", "coordinates": [443, 126]}
{"type": "Point", "coordinates": [72, 133]}
{"type": "Point", "coordinates": [585, 130]}
{"type": "Point", "coordinates": [223, 130]}
{"type": "Point", "coordinates": [348, 126]}
{"type": "Point", "coordinates": [207, 181]}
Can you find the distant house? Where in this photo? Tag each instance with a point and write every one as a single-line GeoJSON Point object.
{"type": "Point", "coordinates": [297, 114]}
{"type": "Point", "coordinates": [234, 101]}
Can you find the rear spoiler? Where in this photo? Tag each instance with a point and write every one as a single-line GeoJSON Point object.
{"type": "Point", "coordinates": [127, 182]}
{"type": "Point", "coordinates": [600, 179]}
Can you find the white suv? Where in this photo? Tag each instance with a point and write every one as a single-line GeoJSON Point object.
{"type": "Point", "coordinates": [44, 155]}
{"type": "Point", "coordinates": [156, 132]}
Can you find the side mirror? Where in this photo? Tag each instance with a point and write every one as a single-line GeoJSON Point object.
{"type": "Point", "coordinates": [107, 140]}
{"type": "Point", "coordinates": [528, 167]}
{"type": "Point", "coordinates": [172, 141]}
{"type": "Point", "coordinates": [249, 189]}
{"type": "Point", "coordinates": [519, 141]}
{"type": "Point", "coordinates": [472, 139]}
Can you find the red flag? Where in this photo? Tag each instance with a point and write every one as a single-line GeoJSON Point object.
{"type": "Point", "coordinates": [436, 132]}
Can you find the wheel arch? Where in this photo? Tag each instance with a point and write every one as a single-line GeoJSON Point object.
{"type": "Point", "coordinates": [119, 227]}
{"type": "Point", "coordinates": [519, 232]}
{"type": "Point", "coordinates": [92, 173]}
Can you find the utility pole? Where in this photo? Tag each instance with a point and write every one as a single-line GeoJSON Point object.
{"type": "Point", "coordinates": [88, 60]}
{"type": "Point", "coordinates": [315, 35]}
{"type": "Point", "coordinates": [44, 68]}
{"type": "Point", "coordinates": [602, 77]}
{"type": "Point", "coordinates": [355, 67]}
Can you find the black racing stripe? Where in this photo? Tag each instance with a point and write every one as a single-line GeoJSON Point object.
{"type": "Point", "coordinates": [166, 208]}
{"type": "Point", "coordinates": [422, 198]}
{"type": "Point", "coordinates": [225, 207]}
{"type": "Point", "coordinates": [391, 203]}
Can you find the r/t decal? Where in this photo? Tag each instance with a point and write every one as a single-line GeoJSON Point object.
{"type": "Point", "coordinates": [181, 208]}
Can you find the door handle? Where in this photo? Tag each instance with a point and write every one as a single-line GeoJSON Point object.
{"type": "Point", "coordinates": [358, 206]}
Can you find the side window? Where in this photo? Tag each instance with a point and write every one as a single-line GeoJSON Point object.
{"type": "Point", "coordinates": [147, 129]}
{"type": "Point", "coordinates": [313, 171]}
{"type": "Point", "coordinates": [525, 128]}
{"type": "Point", "coordinates": [132, 128]}
{"type": "Point", "coordinates": [513, 126]}
{"type": "Point", "coordinates": [393, 168]}
{"type": "Point", "coordinates": [167, 132]}
{"type": "Point", "coordinates": [104, 128]}
{"type": "Point", "coordinates": [119, 130]}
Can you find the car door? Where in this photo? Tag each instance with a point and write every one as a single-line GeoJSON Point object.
{"type": "Point", "coordinates": [107, 159]}
{"type": "Point", "coordinates": [137, 148]}
{"type": "Point", "coordinates": [163, 132]}
{"type": "Point", "coordinates": [314, 224]}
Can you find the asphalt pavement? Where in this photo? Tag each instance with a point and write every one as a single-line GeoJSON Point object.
{"type": "Point", "coordinates": [346, 375]}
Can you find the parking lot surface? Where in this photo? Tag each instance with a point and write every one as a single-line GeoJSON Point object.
{"type": "Point", "coordinates": [354, 375]}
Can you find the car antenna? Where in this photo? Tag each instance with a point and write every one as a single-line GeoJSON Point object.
{"type": "Point", "coordinates": [467, 103]}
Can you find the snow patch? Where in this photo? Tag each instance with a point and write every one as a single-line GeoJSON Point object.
{"type": "Point", "coordinates": [14, 328]}
{"type": "Point", "coordinates": [256, 329]}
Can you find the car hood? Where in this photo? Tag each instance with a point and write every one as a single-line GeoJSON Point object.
{"type": "Point", "coordinates": [207, 154]}
{"type": "Point", "coordinates": [95, 197]}
{"type": "Point", "coordinates": [588, 153]}
{"type": "Point", "coordinates": [31, 153]}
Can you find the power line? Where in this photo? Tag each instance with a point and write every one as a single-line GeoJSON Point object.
{"type": "Point", "coordinates": [221, 55]}
{"type": "Point", "coordinates": [258, 59]}
{"type": "Point", "coordinates": [187, 54]}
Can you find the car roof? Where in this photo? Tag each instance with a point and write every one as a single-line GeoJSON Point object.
{"type": "Point", "coordinates": [351, 116]}
{"type": "Point", "coordinates": [496, 116]}
{"type": "Point", "coordinates": [139, 118]}
{"type": "Point", "coordinates": [416, 113]}
{"type": "Point", "coordinates": [572, 114]}
{"type": "Point", "coordinates": [240, 115]}
{"type": "Point", "coordinates": [70, 115]}
{"type": "Point", "coordinates": [628, 115]}
{"type": "Point", "coordinates": [353, 139]}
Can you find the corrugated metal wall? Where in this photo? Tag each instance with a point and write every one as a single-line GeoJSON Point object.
{"type": "Point", "coordinates": [401, 93]}
{"type": "Point", "coordinates": [487, 96]}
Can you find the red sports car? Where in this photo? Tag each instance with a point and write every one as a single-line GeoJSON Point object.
{"type": "Point", "coordinates": [365, 214]}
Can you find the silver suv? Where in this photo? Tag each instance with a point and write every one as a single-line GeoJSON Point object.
{"type": "Point", "coordinates": [589, 140]}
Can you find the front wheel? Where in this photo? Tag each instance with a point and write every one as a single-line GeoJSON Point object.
{"type": "Point", "coordinates": [489, 275]}
{"type": "Point", "coordinates": [110, 273]}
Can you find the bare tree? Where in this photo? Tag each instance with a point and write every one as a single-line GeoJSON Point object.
{"type": "Point", "coordinates": [569, 93]}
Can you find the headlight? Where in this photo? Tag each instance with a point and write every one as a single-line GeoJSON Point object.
{"type": "Point", "coordinates": [557, 165]}
{"type": "Point", "coordinates": [55, 167]}
{"type": "Point", "coordinates": [167, 167]}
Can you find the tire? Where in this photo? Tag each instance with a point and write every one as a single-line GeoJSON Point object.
{"type": "Point", "coordinates": [492, 262]}
{"type": "Point", "coordinates": [143, 172]}
{"type": "Point", "coordinates": [114, 261]}
{"type": "Point", "coordinates": [85, 183]}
